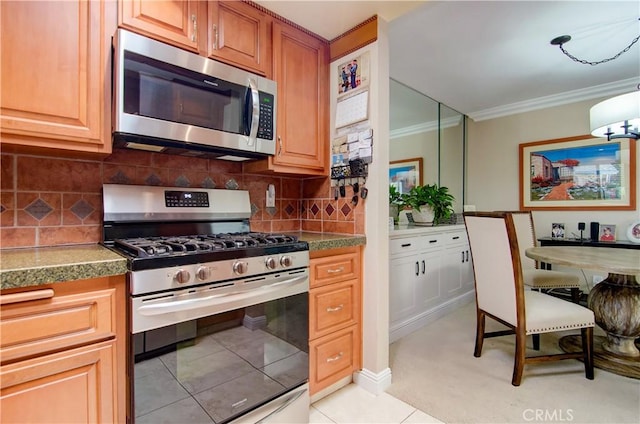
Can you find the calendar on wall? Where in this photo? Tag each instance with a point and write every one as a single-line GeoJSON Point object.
{"type": "Point", "coordinates": [350, 110]}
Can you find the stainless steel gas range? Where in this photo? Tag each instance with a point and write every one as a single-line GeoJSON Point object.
{"type": "Point", "coordinates": [218, 314]}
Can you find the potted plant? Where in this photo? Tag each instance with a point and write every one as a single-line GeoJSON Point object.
{"type": "Point", "coordinates": [429, 203]}
{"type": "Point", "coordinates": [395, 203]}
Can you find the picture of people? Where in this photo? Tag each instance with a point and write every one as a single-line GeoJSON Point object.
{"type": "Point", "coordinates": [607, 233]}
{"type": "Point", "coordinates": [633, 232]}
{"type": "Point", "coordinates": [353, 74]}
{"type": "Point", "coordinates": [557, 230]}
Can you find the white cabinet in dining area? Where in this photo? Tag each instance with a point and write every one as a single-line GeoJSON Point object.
{"type": "Point", "coordinates": [430, 273]}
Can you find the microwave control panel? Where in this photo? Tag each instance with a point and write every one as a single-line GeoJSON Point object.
{"type": "Point", "coordinates": [265, 122]}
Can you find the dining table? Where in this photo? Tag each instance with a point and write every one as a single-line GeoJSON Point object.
{"type": "Point", "coordinates": [615, 302]}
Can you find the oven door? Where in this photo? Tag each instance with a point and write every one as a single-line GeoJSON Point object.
{"type": "Point", "coordinates": [239, 355]}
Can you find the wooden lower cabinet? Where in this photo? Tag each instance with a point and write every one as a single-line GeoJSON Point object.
{"type": "Point", "coordinates": [75, 386]}
{"type": "Point", "coordinates": [335, 317]}
{"type": "Point", "coordinates": [63, 352]}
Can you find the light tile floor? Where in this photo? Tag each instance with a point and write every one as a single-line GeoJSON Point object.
{"type": "Point", "coordinates": [352, 404]}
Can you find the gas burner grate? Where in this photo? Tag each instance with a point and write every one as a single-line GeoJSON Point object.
{"type": "Point", "coordinates": [169, 246]}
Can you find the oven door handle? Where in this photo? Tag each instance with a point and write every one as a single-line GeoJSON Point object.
{"type": "Point", "coordinates": [214, 299]}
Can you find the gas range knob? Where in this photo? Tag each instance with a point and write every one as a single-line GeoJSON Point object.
{"type": "Point", "coordinates": [182, 276]}
{"type": "Point", "coordinates": [203, 273]}
{"type": "Point", "coordinates": [240, 267]}
{"type": "Point", "coordinates": [286, 261]}
{"type": "Point", "coordinates": [271, 263]}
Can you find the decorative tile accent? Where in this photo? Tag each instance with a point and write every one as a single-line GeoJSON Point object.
{"type": "Point", "coordinates": [2, 208]}
{"type": "Point", "coordinates": [271, 210]}
{"type": "Point", "coordinates": [119, 178]}
{"type": "Point", "coordinates": [232, 184]}
{"type": "Point", "coordinates": [38, 209]}
{"type": "Point", "coordinates": [183, 181]}
{"type": "Point", "coordinates": [208, 183]}
{"type": "Point", "coordinates": [315, 209]}
{"type": "Point", "coordinates": [254, 209]}
{"type": "Point", "coordinates": [329, 209]}
{"type": "Point", "coordinates": [289, 209]}
{"type": "Point", "coordinates": [345, 209]}
{"type": "Point", "coordinates": [82, 209]}
{"type": "Point", "coordinates": [153, 179]}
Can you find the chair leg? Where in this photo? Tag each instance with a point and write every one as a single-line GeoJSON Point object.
{"type": "Point", "coordinates": [518, 366]}
{"type": "Point", "coordinates": [480, 321]}
{"type": "Point", "coordinates": [575, 295]}
{"type": "Point", "coordinates": [536, 341]}
{"type": "Point", "coordinates": [587, 349]}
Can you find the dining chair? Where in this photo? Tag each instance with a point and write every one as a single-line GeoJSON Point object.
{"type": "Point", "coordinates": [502, 296]}
{"type": "Point", "coordinates": [534, 276]}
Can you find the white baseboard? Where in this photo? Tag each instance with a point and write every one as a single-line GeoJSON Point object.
{"type": "Point", "coordinates": [399, 330]}
{"type": "Point", "coordinates": [375, 383]}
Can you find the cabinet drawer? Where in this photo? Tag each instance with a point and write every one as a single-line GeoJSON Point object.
{"type": "Point", "coordinates": [404, 245]}
{"type": "Point", "coordinates": [332, 269]}
{"type": "Point", "coordinates": [334, 357]}
{"type": "Point", "coordinates": [457, 238]}
{"type": "Point", "coordinates": [34, 327]}
{"type": "Point", "coordinates": [333, 307]}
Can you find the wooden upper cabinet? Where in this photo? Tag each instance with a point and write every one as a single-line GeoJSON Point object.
{"type": "Point", "coordinates": [177, 22]}
{"type": "Point", "coordinates": [301, 69]}
{"type": "Point", "coordinates": [56, 75]}
{"type": "Point", "coordinates": [238, 34]}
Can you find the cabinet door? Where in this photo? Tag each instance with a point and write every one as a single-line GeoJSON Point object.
{"type": "Point", "coordinates": [175, 22]}
{"type": "Point", "coordinates": [56, 76]}
{"type": "Point", "coordinates": [429, 292]}
{"type": "Point", "coordinates": [404, 273]}
{"type": "Point", "coordinates": [239, 35]}
{"type": "Point", "coordinates": [71, 386]}
{"type": "Point", "coordinates": [300, 67]}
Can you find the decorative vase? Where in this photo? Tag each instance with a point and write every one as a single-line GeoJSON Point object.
{"type": "Point", "coordinates": [423, 215]}
{"type": "Point", "coordinates": [394, 212]}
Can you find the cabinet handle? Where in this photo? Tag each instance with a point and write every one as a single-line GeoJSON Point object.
{"type": "Point", "coordinates": [5, 299]}
{"type": "Point", "coordinates": [417, 268]}
{"type": "Point", "coordinates": [456, 237]}
{"type": "Point", "coordinates": [333, 271]}
{"type": "Point", "coordinates": [279, 146]}
{"type": "Point", "coordinates": [467, 253]}
{"type": "Point", "coordinates": [215, 37]}
{"type": "Point", "coordinates": [405, 245]}
{"type": "Point", "coordinates": [433, 241]}
{"type": "Point", "coordinates": [194, 22]}
{"type": "Point", "coordinates": [335, 358]}
{"type": "Point", "coordinates": [424, 266]}
{"type": "Point", "coordinates": [336, 309]}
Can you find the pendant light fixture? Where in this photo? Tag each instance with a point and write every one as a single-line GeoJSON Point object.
{"type": "Point", "coordinates": [618, 117]}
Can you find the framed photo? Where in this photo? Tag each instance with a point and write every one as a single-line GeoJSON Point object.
{"type": "Point", "coordinates": [633, 232]}
{"type": "Point", "coordinates": [353, 74]}
{"type": "Point", "coordinates": [557, 230]}
{"type": "Point", "coordinates": [578, 173]}
{"type": "Point", "coordinates": [607, 233]}
{"type": "Point", "coordinates": [405, 174]}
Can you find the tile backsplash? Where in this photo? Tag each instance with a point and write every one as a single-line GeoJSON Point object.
{"type": "Point", "coordinates": [49, 201]}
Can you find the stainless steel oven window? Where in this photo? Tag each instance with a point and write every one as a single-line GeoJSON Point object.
{"type": "Point", "coordinates": [219, 367]}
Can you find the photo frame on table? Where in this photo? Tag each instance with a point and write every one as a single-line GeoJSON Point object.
{"type": "Point", "coordinates": [578, 173]}
{"type": "Point", "coordinates": [633, 232]}
{"type": "Point", "coordinates": [405, 174]}
{"type": "Point", "coordinates": [557, 230]}
{"type": "Point", "coordinates": [607, 232]}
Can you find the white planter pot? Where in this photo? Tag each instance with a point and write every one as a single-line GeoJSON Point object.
{"type": "Point", "coordinates": [423, 215]}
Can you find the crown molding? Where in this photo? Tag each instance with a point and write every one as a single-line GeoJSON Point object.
{"type": "Point", "coordinates": [609, 89]}
{"type": "Point", "coordinates": [424, 127]}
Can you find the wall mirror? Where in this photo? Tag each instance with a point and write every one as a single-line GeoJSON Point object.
{"type": "Point", "coordinates": [421, 127]}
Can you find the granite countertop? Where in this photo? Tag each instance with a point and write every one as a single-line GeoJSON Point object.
{"type": "Point", "coordinates": [325, 241]}
{"type": "Point", "coordinates": [44, 265]}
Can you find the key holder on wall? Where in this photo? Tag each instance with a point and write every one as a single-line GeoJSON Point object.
{"type": "Point", "coordinates": [352, 173]}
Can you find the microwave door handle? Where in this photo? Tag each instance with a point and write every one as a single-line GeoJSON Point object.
{"type": "Point", "coordinates": [254, 112]}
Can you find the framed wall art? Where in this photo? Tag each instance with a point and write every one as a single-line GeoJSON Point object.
{"type": "Point", "coordinates": [578, 173]}
{"type": "Point", "coordinates": [405, 174]}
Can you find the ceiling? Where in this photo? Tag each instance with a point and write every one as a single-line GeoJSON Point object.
{"type": "Point", "coordinates": [493, 58]}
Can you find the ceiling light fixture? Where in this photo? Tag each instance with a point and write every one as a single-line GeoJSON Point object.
{"type": "Point", "coordinates": [617, 117]}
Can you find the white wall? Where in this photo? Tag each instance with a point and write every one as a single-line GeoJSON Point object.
{"type": "Point", "coordinates": [492, 178]}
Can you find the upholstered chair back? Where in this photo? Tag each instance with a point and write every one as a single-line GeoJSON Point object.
{"type": "Point", "coordinates": [523, 222]}
{"type": "Point", "coordinates": [492, 263]}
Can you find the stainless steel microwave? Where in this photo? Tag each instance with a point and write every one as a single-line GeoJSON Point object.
{"type": "Point", "coordinates": [173, 101]}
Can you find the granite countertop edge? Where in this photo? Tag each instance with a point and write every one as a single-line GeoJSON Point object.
{"type": "Point", "coordinates": [21, 268]}
{"type": "Point", "coordinates": [28, 267]}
